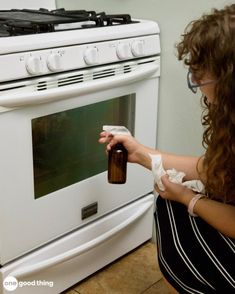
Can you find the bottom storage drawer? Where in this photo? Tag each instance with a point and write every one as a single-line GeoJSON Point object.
{"type": "Point", "coordinates": [66, 261]}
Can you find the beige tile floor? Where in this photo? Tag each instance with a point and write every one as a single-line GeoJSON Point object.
{"type": "Point", "coordinates": [135, 273]}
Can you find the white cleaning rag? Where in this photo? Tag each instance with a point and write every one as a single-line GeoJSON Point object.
{"type": "Point", "coordinates": [174, 175]}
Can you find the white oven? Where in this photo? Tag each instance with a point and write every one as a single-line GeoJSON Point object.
{"type": "Point", "coordinates": [58, 211]}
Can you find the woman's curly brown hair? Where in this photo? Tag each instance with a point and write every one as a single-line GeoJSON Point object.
{"type": "Point", "coordinates": [208, 46]}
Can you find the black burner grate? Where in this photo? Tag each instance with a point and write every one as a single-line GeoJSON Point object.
{"type": "Point", "coordinates": [17, 22]}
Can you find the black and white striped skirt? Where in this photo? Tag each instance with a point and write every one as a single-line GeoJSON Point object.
{"type": "Point", "coordinates": [193, 256]}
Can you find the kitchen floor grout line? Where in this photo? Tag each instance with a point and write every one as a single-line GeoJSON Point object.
{"type": "Point", "coordinates": [150, 286]}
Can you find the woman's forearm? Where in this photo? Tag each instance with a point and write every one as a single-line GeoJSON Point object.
{"type": "Point", "coordinates": [139, 153]}
{"type": "Point", "coordinates": [219, 215]}
{"type": "Point", "coordinates": [186, 164]}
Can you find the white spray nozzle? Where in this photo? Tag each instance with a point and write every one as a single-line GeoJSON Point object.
{"type": "Point", "coordinates": [116, 130]}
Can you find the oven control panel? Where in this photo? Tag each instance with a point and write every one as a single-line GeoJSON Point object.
{"type": "Point", "coordinates": [48, 61]}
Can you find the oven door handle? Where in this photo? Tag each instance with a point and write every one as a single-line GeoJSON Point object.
{"type": "Point", "coordinates": [75, 252]}
{"type": "Point", "coordinates": [44, 96]}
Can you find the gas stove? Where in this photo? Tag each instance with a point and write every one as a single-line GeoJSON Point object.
{"type": "Point", "coordinates": [63, 75]}
{"type": "Point", "coordinates": [17, 22]}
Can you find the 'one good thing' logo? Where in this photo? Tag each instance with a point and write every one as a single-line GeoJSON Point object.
{"type": "Point", "coordinates": [10, 283]}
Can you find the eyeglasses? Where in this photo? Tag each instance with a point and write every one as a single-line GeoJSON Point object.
{"type": "Point", "coordinates": [192, 85]}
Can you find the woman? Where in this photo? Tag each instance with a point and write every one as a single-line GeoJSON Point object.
{"type": "Point", "coordinates": [196, 233]}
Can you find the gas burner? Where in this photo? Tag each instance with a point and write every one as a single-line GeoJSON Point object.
{"type": "Point", "coordinates": [17, 22]}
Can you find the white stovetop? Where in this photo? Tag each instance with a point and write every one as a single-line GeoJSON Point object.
{"type": "Point", "coordinates": [29, 4]}
{"type": "Point", "coordinates": [66, 38]}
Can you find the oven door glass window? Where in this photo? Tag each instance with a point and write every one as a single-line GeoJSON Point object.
{"type": "Point", "coordinates": [65, 144]}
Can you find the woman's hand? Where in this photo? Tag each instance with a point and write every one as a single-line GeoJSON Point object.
{"type": "Point", "coordinates": [137, 153]}
{"type": "Point", "coordinates": [175, 192]}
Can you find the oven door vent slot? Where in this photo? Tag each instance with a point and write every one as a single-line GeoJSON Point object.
{"type": "Point", "coordinates": [103, 74]}
{"type": "Point", "coordinates": [127, 68]}
{"type": "Point", "coordinates": [70, 80]}
{"type": "Point", "coordinates": [42, 86]}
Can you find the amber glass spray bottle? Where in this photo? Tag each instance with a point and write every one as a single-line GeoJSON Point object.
{"type": "Point", "coordinates": [117, 156]}
{"type": "Point", "coordinates": [117, 164]}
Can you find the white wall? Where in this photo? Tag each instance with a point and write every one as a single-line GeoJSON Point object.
{"type": "Point", "coordinates": [179, 128]}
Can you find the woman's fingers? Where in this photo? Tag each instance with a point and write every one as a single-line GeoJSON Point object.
{"type": "Point", "coordinates": [165, 180]}
{"type": "Point", "coordinates": [105, 137]}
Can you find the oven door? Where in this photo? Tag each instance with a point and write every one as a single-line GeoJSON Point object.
{"type": "Point", "coordinates": [53, 173]}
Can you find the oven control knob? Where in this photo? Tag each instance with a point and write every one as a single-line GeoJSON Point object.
{"type": "Point", "coordinates": [34, 65]}
{"type": "Point", "coordinates": [137, 48]}
{"type": "Point", "coordinates": [123, 51]}
{"type": "Point", "coordinates": [54, 61]}
{"type": "Point", "coordinates": [91, 56]}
